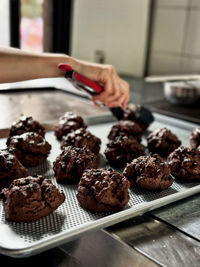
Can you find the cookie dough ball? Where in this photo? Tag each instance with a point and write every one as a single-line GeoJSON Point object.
{"type": "Point", "coordinates": [82, 138]}
{"type": "Point", "coordinates": [24, 125]}
{"type": "Point", "coordinates": [149, 172]}
{"type": "Point", "coordinates": [30, 148]}
{"type": "Point", "coordinates": [162, 142]}
{"type": "Point", "coordinates": [122, 150]}
{"type": "Point", "coordinates": [31, 198]}
{"type": "Point", "coordinates": [68, 123]}
{"type": "Point", "coordinates": [132, 115]}
{"type": "Point", "coordinates": [195, 138]}
{"type": "Point", "coordinates": [185, 163]}
{"type": "Point", "coordinates": [71, 163]}
{"type": "Point", "coordinates": [126, 128]}
{"type": "Point", "coordinates": [10, 168]}
{"type": "Point", "coordinates": [102, 190]}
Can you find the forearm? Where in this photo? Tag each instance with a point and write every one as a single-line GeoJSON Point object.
{"type": "Point", "coordinates": [18, 65]}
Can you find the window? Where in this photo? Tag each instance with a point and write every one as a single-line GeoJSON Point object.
{"type": "Point", "coordinates": [40, 25]}
{"type": "Point", "coordinates": [31, 25]}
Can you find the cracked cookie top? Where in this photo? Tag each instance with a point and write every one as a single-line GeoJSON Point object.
{"type": "Point", "coordinates": [185, 163]}
{"type": "Point", "coordinates": [31, 198]}
{"type": "Point", "coordinates": [123, 150]}
{"type": "Point", "coordinates": [24, 125]}
{"type": "Point", "coordinates": [30, 148]}
{"type": "Point", "coordinates": [126, 128]}
{"type": "Point", "coordinates": [30, 142]}
{"type": "Point", "coordinates": [149, 172]}
{"type": "Point", "coordinates": [71, 163]}
{"type": "Point", "coordinates": [82, 138]}
{"type": "Point", "coordinates": [132, 115]}
{"type": "Point", "coordinates": [10, 168]}
{"type": "Point", "coordinates": [101, 190]}
{"type": "Point", "coordinates": [195, 138]}
{"type": "Point", "coordinates": [68, 123]}
{"type": "Point", "coordinates": [162, 142]}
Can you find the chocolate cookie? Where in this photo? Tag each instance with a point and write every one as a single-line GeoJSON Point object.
{"type": "Point", "coordinates": [24, 125]}
{"type": "Point", "coordinates": [102, 190]}
{"type": "Point", "coordinates": [68, 123]}
{"type": "Point", "coordinates": [122, 150]}
{"type": "Point", "coordinates": [162, 142]}
{"type": "Point", "coordinates": [71, 163]}
{"type": "Point", "coordinates": [126, 128]}
{"type": "Point", "coordinates": [185, 163]}
{"type": "Point", "coordinates": [149, 172]}
{"type": "Point", "coordinates": [31, 198]}
{"type": "Point", "coordinates": [30, 148]}
{"type": "Point", "coordinates": [82, 138]}
{"type": "Point", "coordinates": [195, 138]}
{"type": "Point", "coordinates": [132, 115]}
{"type": "Point", "coordinates": [10, 168]}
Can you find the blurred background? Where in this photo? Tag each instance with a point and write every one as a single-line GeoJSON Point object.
{"type": "Point", "coordinates": [139, 37]}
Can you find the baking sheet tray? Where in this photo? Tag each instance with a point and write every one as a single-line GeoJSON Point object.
{"type": "Point", "coordinates": [70, 221]}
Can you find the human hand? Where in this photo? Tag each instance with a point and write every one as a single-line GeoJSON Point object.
{"type": "Point", "coordinates": [116, 90]}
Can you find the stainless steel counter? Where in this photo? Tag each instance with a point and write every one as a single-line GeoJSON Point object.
{"type": "Point", "coordinates": [183, 215]}
{"type": "Point", "coordinates": [168, 236]}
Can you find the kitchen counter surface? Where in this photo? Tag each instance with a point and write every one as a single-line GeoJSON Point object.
{"type": "Point", "coordinates": [179, 221]}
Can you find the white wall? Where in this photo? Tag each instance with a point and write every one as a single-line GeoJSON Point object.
{"type": "Point", "coordinates": [4, 24]}
{"type": "Point", "coordinates": [119, 28]}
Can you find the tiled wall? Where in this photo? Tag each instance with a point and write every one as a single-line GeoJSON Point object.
{"type": "Point", "coordinates": [175, 46]}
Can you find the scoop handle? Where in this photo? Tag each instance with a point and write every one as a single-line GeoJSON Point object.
{"type": "Point", "coordinates": [79, 77]}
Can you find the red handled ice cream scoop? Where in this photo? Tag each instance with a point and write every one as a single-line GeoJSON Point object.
{"type": "Point", "coordinates": [92, 87]}
{"type": "Point", "coordinates": [80, 80]}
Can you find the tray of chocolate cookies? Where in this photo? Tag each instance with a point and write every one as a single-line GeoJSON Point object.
{"type": "Point", "coordinates": [78, 175]}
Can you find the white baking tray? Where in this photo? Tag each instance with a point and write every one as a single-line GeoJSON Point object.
{"type": "Point", "coordinates": [70, 221]}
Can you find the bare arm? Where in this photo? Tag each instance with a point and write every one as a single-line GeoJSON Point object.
{"type": "Point", "coordinates": [17, 65]}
